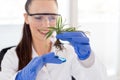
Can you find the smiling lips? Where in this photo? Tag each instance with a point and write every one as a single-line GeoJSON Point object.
{"type": "Point", "coordinates": [43, 32]}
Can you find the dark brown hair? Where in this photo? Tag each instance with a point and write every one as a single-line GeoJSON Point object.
{"type": "Point", "coordinates": [24, 48]}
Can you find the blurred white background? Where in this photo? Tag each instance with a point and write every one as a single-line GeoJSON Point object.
{"type": "Point", "coordinates": [99, 17]}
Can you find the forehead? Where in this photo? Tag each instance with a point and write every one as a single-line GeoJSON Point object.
{"type": "Point", "coordinates": [43, 6]}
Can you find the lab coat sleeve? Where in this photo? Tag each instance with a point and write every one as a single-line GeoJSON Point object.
{"type": "Point", "coordinates": [90, 69]}
{"type": "Point", "coordinates": [89, 61]}
{"type": "Point", "coordinates": [9, 65]}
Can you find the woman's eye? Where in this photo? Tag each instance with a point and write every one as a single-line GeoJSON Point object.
{"type": "Point", "coordinates": [52, 18]}
{"type": "Point", "coordinates": [38, 18]}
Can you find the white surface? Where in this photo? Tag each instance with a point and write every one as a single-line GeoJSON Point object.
{"type": "Point", "coordinates": [104, 42]}
{"type": "Point", "coordinates": [9, 35]}
{"type": "Point", "coordinates": [101, 18]}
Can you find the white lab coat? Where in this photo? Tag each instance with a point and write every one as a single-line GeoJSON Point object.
{"type": "Point", "coordinates": [90, 69]}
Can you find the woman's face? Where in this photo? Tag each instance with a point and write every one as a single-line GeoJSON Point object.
{"type": "Point", "coordinates": [39, 23]}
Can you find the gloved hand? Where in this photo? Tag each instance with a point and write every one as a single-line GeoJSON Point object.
{"type": "Point", "coordinates": [79, 41]}
{"type": "Point", "coordinates": [31, 70]}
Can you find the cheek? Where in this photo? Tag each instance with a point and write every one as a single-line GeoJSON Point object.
{"type": "Point", "coordinates": [33, 27]}
{"type": "Point", "coordinates": [53, 24]}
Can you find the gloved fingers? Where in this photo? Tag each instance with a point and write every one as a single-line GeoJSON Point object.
{"type": "Point", "coordinates": [49, 55]}
{"type": "Point", "coordinates": [52, 58]}
{"type": "Point", "coordinates": [33, 65]}
{"type": "Point", "coordinates": [55, 60]}
{"type": "Point", "coordinates": [36, 64]}
{"type": "Point", "coordinates": [62, 59]}
{"type": "Point", "coordinates": [33, 61]}
{"type": "Point", "coordinates": [83, 52]}
{"type": "Point", "coordinates": [65, 35]}
{"type": "Point", "coordinates": [39, 61]}
{"type": "Point", "coordinates": [81, 40]}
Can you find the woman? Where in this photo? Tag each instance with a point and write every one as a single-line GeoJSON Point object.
{"type": "Point", "coordinates": [35, 56]}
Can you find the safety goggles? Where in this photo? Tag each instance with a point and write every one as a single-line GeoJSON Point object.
{"type": "Point", "coordinates": [40, 17]}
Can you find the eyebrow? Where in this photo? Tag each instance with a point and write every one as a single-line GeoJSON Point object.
{"type": "Point", "coordinates": [43, 14]}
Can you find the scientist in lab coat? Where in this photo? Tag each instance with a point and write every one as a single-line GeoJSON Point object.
{"type": "Point", "coordinates": [37, 58]}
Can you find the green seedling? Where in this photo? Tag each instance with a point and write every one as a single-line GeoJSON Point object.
{"type": "Point", "coordinates": [59, 28]}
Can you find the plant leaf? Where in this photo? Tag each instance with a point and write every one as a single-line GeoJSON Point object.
{"type": "Point", "coordinates": [49, 33]}
{"type": "Point", "coordinates": [59, 28]}
{"type": "Point", "coordinates": [52, 28]}
{"type": "Point", "coordinates": [59, 24]}
{"type": "Point", "coordinates": [69, 29]}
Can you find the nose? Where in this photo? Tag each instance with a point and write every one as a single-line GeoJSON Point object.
{"type": "Point", "coordinates": [45, 22]}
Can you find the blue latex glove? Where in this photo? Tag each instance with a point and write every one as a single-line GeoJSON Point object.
{"type": "Point", "coordinates": [79, 41]}
{"type": "Point", "coordinates": [31, 70]}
